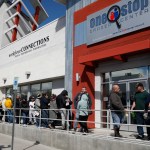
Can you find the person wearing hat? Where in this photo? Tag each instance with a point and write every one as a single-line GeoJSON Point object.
{"type": "Point", "coordinates": [139, 102]}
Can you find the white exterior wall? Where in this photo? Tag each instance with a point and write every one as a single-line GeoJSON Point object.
{"type": "Point", "coordinates": [46, 62]}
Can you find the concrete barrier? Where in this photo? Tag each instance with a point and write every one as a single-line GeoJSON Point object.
{"type": "Point", "coordinates": [67, 141]}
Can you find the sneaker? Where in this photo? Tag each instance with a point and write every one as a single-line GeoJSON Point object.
{"type": "Point", "coordinates": [24, 125]}
{"type": "Point", "coordinates": [29, 123]}
{"type": "Point", "coordinates": [141, 137]}
{"type": "Point", "coordinates": [148, 138]}
{"type": "Point", "coordinates": [84, 133]}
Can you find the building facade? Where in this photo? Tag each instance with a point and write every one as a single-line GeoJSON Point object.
{"type": "Point", "coordinates": [107, 42]}
{"type": "Point", "coordinates": [38, 59]}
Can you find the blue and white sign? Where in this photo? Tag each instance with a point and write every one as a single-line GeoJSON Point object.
{"type": "Point", "coordinates": [15, 83]}
{"type": "Point", "coordinates": [118, 19]}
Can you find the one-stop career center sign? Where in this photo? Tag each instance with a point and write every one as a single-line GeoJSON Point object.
{"type": "Point", "coordinates": [118, 19]}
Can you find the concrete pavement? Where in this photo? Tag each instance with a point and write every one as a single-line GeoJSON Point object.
{"type": "Point", "coordinates": [19, 144]}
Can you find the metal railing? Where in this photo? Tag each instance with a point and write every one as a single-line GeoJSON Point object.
{"type": "Point", "coordinates": [107, 123]}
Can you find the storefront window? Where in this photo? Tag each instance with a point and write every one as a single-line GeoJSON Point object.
{"type": "Point", "coordinates": [106, 77]}
{"type": "Point", "coordinates": [9, 91]}
{"type": "Point", "coordinates": [24, 91]}
{"type": "Point", "coordinates": [47, 87]}
{"type": "Point", "coordinates": [130, 74]}
{"type": "Point", "coordinates": [35, 89]}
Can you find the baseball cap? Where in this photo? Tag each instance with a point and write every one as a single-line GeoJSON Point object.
{"type": "Point", "coordinates": [139, 84]}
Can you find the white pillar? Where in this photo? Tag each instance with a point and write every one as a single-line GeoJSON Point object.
{"type": "Point", "coordinates": [98, 98]}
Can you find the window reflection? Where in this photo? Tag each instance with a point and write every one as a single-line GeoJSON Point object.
{"type": "Point", "coordinates": [24, 91]}
{"type": "Point", "coordinates": [130, 74]}
{"type": "Point", "coordinates": [47, 86]}
{"type": "Point", "coordinates": [35, 87]}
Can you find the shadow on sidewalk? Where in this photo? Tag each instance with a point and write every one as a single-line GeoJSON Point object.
{"type": "Point", "coordinates": [2, 147]}
{"type": "Point", "coordinates": [36, 143]}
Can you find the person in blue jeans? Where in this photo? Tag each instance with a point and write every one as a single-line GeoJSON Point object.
{"type": "Point", "coordinates": [117, 109]}
{"type": "Point", "coordinates": [140, 98]}
{"type": "Point", "coordinates": [25, 111]}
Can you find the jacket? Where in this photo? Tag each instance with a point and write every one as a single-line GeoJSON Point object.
{"type": "Point", "coordinates": [44, 103]}
{"type": "Point", "coordinates": [82, 106]}
{"type": "Point", "coordinates": [78, 98]}
{"type": "Point", "coordinates": [61, 100]}
{"type": "Point", "coordinates": [24, 104]}
{"type": "Point", "coordinates": [115, 102]}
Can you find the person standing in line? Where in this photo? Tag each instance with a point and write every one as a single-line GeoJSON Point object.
{"type": "Point", "coordinates": [4, 110]}
{"type": "Point", "coordinates": [32, 110]}
{"type": "Point", "coordinates": [69, 112]}
{"type": "Point", "coordinates": [147, 117]}
{"type": "Point", "coordinates": [82, 108]}
{"type": "Point", "coordinates": [117, 109]}
{"type": "Point", "coordinates": [18, 101]}
{"type": "Point", "coordinates": [140, 98]}
{"type": "Point", "coordinates": [61, 104]}
{"type": "Point", "coordinates": [1, 111]}
{"type": "Point", "coordinates": [44, 112]}
{"type": "Point", "coordinates": [9, 105]}
{"type": "Point", "coordinates": [24, 111]}
{"type": "Point", "coordinates": [37, 109]}
{"type": "Point", "coordinates": [76, 100]}
{"type": "Point", "coordinates": [53, 112]}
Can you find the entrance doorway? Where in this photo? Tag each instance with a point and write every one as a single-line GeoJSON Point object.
{"type": "Point", "coordinates": [127, 91]}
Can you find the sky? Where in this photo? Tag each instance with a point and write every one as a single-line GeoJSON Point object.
{"type": "Point", "coordinates": [54, 9]}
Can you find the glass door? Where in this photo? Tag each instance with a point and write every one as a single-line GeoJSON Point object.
{"type": "Point", "coordinates": [132, 91]}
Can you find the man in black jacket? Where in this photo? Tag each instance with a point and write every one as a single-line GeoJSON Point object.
{"type": "Point", "coordinates": [44, 113]}
{"type": "Point", "coordinates": [117, 109]}
{"type": "Point", "coordinates": [18, 102]}
{"type": "Point", "coordinates": [61, 104]}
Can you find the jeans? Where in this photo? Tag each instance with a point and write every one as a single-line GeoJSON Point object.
{"type": "Point", "coordinates": [140, 121]}
{"type": "Point", "coordinates": [148, 128]}
{"type": "Point", "coordinates": [9, 116]}
{"type": "Point", "coordinates": [24, 117]}
{"type": "Point", "coordinates": [63, 117]}
{"type": "Point", "coordinates": [117, 119]}
{"type": "Point", "coordinates": [76, 120]}
{"type": "Point", "coordinates": [44, 122]}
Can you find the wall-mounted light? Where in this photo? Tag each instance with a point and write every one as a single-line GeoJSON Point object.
{"type": "Point", "coordinates": [4, 79]}
{"type": "Point", "coordinates": [77, 77]}
{"type": "Point", "coordinates": [27, 73]}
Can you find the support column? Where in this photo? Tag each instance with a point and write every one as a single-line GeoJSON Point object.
{"type": "Point", "coordinates": [16, 22]}
{"type": "Point", "coordinates": [36, 17]}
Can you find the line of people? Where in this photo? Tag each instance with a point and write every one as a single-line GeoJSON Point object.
{"type": "Point", "coordinates": [35, 110]}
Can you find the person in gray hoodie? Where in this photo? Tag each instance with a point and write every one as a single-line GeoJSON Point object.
{"type": "Point", "coordinates": [82, 108]}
